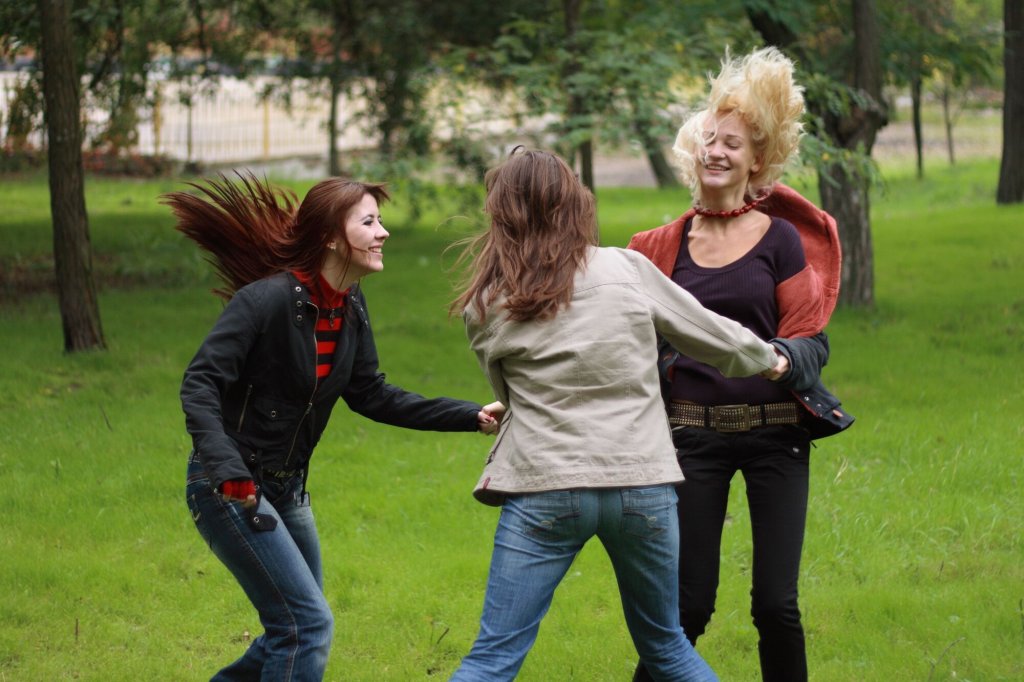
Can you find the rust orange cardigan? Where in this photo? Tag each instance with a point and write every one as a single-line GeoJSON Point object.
{"type": "Point", "coordinates": [806, 300]}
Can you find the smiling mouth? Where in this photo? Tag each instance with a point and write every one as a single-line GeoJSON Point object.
{"type": "Point", "coordinates": [715, 167]}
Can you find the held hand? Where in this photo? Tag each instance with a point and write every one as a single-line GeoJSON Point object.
{"type": "Point", "coordinates": [781, 367]}
{"type": "Point", "coordinates": [489, 419]}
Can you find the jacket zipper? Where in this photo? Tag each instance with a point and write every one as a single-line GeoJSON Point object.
{"type": "Point", "coordinates": [245, 405]}
{"type": "Point", "coordinates": [309, 403]}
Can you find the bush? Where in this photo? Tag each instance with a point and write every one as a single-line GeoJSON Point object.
{"type": "Point", "coordinates": [104, 162]}
{"type": "Point", "coordinates": [20, 160]}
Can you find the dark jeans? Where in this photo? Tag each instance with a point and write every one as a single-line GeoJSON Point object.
{"type": "Point", "coordinates": [774, 461]}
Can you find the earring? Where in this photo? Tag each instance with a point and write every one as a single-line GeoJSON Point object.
{"type": "Point", "coordinates": [332, 246]}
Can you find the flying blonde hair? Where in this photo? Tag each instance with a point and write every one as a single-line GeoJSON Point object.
{"type": "Point", "coordinates": [760, 89]}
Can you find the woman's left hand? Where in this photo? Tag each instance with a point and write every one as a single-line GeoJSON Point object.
{"type": "Point", "coordinates": [489, 418]}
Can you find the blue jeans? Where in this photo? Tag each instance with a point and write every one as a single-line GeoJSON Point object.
{"type": "Point", "coordinates": [538, 537]}
{"type": "Point", "coordinates": [280, 572]}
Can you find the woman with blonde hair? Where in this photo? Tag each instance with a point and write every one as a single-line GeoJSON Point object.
{"type": "Point", "coordinates": [566, 334]}
{"type": "Point", "coordinates": [293, 338]}
{"type": "Point", "coordinates": [757, 252]}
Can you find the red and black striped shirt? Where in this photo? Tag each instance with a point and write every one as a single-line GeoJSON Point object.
{"type": "Point", "coordinates": [331, 304]}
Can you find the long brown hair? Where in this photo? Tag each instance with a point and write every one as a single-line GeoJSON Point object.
{"type": "Point", "coordinates": [542, 221]}
{"type": "Point", "coordinates": [252, 230]}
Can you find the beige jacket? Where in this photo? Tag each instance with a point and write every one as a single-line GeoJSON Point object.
{"type": "Point", "coordinates": [582, 389]}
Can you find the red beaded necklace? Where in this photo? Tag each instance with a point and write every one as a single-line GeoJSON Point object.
{"type": "Point", "coordinates": [709, 213]}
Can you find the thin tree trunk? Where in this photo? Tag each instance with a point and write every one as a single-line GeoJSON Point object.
{"type": "Point", "coordinates": [663, 173]}
{"type": "Point", "coordinates": [333, 156]}
{"type": "Point", "coordinates": [915, 106]}
{"type": "Point", "coordinates": [662, 169]}
{"type": "Point", "coordinates": [333, 160]}
{"type": "Point", "coordinates": [76, 290]}
{"type": "Point", "coordinates": [1011, 169]}
{"type": "Point", "coordinates": [587, 163]}
{"type": "Point", "coordinates": [947, 120]}
{"type": "Point", "coordinates": [577, 106]}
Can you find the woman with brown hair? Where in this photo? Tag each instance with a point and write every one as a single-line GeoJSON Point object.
{"type": "Point", "coordinates": [565, 332]}
{"type": "Point", "coordinates": [293, 338]}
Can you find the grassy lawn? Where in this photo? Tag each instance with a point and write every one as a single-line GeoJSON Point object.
{"type": "Point", "coordinates": [914, 561]}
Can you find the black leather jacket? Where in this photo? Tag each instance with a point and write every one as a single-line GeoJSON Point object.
{"type": "Point", "coordinates": [251, 399]}
{"type": "Point", "coordinates": [807, 356]}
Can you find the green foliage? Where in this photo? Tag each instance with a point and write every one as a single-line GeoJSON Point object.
{"type": "Point", "coordinates": [25, 102]}
{"type": "Point", "coordinates": [912, 561]}
{"type": "Point", "coordinates": [616, 78]}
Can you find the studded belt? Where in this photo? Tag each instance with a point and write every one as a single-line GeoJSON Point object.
{"type": "Point", "coordinates": [281, 474]}
{"type": "Point", "coordinates": [732, 418]}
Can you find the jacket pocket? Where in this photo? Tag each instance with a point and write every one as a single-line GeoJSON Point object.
{"type": "Point", "coordinates": [270, 421]}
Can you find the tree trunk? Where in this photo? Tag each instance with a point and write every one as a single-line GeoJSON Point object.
{"type": "Point", "coordinates": [643, 115]}
{"type": "Point", "coordinates": [333, 156]}
{"type": "Point", "coordinates": [662, 169]}
{"type": "Point", "coordinates": [847, 199]}
{"type": "Point", "coordinates": [947, 120]}
{"type": "Point", "coordinates": [587, 164]}
{"type": "Point", "coordinates": [843, 196]}
{"type": "Point", "coordinates": [1011, 169]}
{"type": "Point", "coordinates": [849, 202]}
{"type": "Point", "coordinates": [915, 105]}
{"type": "Point", "coordinates": [577, 106]}
{"type": "Point", "coordinates": [76, 290]}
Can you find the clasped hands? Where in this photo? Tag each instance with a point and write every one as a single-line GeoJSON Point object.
{"type": "Point", "coordinates": [489, 418]}
{"type": "Point", "coordinates": [781, 368]}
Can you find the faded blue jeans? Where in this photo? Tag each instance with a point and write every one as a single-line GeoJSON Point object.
{"type": "Point", "coordinates": [539, 535]}
{"type": "Point", "coordinates": [280, 572]}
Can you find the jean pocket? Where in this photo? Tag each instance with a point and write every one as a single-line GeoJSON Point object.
{"type": "Point", "coordinates": [545, 516]}
{"type": "Point", "coordinates": [649, 511]}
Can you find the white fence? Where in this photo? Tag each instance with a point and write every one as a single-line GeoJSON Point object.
{"type": "Point", "coordinates": [224, 122]}
{"type": "Point", "coordinates": [229, 121]}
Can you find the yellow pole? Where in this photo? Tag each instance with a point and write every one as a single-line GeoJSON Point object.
{"type": "Point", "coordinates": [157, 120]}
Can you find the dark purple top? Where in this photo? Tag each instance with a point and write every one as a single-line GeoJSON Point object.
{"type": "Point", "coordinates": [743, 290]}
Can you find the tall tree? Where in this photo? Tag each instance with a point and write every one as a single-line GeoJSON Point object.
{"type": "Point", "coordinates": [76, 288]}
{"type": "Point", "coordinates": [578, 113]}
{"type": "Point", "coordinates": [943, 43]}
{"type": "Point", "coordinates": [849, 110]}
{"type": "Point", "coordinates": [846, 194]}
{"type": "Point", "coordinates": [1011, 169]}
{"type": "Point", "coordinates": [608, 69]}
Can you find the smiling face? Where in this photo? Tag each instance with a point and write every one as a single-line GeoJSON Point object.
{"type": "Point", "coordinates": [362, 246]}
{"type": "Point", "coordinates": [727, 158]}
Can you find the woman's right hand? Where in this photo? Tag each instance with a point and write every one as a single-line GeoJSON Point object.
{"type": "Point", "coordinates": [489, 418]}
{"type": "Point", "coordinates": [240, 490]}
{"type": "Point", "coordinates": [781, 368]}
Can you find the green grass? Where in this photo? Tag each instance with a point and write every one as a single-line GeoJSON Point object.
{"type": "Point", "coordinates": [914, 561]}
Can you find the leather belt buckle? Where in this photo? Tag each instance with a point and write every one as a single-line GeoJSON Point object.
{"type": "Point", "coordinates": [730, 418]}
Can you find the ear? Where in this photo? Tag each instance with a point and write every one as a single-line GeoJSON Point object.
{"type": "Point", "coordinates": [757, 166]}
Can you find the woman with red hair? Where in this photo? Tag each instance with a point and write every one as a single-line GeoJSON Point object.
{"type": "Point", "coordinates": [293, 338]}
